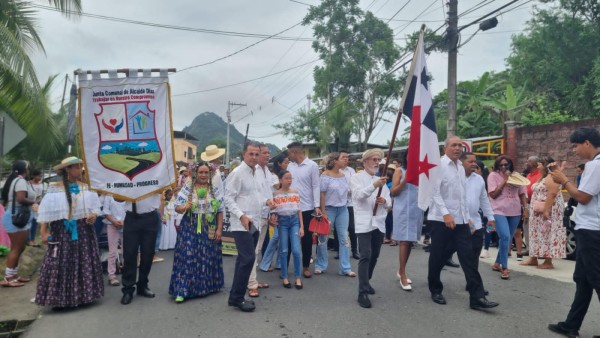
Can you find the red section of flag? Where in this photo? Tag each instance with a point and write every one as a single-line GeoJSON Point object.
{"type": "Point", "coordinates": [414, 147]}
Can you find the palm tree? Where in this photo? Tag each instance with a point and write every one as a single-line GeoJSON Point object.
{"type": "Point", "coordinates": [21, 94]}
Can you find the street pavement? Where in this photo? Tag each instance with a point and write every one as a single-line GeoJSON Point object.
{"type": "Point", "coordinates": [327, 306]}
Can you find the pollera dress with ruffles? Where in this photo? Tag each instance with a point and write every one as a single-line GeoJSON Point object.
{"type": "Point", "coordinates": [198, 261]}
{"type": "Point", "coordinates": [71, 272]}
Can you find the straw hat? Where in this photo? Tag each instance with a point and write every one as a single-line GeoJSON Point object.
{"type": "Point", "coordinates": [182, 169]}
{"type": "Point", "coordinates": [67, 162]}
{"type": "Point", "coordinates": [517, 179]}
{"type": "Point", "coordinates": [212, 153]}
{"type": "Point", "coordinates": [392, 166]}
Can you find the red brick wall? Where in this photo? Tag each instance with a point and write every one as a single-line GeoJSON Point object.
{"type": "Point", "coordinates": [552, 140]}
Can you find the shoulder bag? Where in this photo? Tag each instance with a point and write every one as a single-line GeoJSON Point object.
{"type": "Point", "coordinates": [21, 218]}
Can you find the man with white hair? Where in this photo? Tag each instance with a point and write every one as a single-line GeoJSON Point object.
{"type": "Point", "coordinates": [449, 220]}
{"type": "Point", "coordinates": [369, 228]}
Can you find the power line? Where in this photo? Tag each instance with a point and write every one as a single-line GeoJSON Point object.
{"type": "Point", "coordinates": [173, 27]}
{"type": "Point", "coordinates": [237, 51]}
{"type": "Point", "coordinates": [415, 19]}
{"type": "Point", "coordinates": [239, 83]}
{"type": "Point", "coordinates": [398, 11]}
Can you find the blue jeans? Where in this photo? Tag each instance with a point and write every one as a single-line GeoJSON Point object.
{"type": "Point", "coordinates": [33, 230]}
{"type": "Point", "coordinates": [272, 250]}
{"type": "Point", "coordinates": [339, 218]}
{"type": "Point", "coordinates": [505, 227]}
{"type": "Point", "coordinates": [289, 233]}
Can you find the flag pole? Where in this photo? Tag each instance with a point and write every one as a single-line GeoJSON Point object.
{"type": "Point", "coordinates": [395, 132]}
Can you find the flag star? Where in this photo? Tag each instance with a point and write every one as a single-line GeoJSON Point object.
{"type": "Point", "coordinates": [425, 166]}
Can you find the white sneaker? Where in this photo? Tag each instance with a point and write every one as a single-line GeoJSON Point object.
{"type": "Point", "coordinates": [484, 254]}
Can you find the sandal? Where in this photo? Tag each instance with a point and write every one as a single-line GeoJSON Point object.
{"type": "Point", "coordinates": [307, 273]}
{"type": "Point", "coordinates": [23, 279]}
{"type": "Point", "coordinates": [505, 274]}
{"type": "Point", "coordinates": [317, 272]}
{"type": "Point", "coordinates": [394, 243]}
{"type": "Point", "coordinates": [113, 282]}
{"type": "Point", "coordinates": [496, 267]}
{"type": "Point", "coordinates": [386, 241]}
{"type": "Point", "coordinates": [253, 293]}
{"type": "Point", "coordinates": [11, 282]}
{"type": "Point", "coordinates": [262, 285]}
{"type": "Point", "coordinates": [350, 274]}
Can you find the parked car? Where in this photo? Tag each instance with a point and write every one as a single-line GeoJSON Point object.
{"type": "Point", "coordinates": [569, 224]}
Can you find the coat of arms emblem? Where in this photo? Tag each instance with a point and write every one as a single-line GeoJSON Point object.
{"type": "Point", "coordinates": [128, 143]}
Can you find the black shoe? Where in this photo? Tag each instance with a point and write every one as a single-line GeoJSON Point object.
{"type": "Point", "coordinates": [438, 298]}
{"type": "Point", "coordinates": [337, 257]}
{"type": "Point", "coordinates": [452, 263]}
{"type": "Point", "coordinates": [127, 297]}
{"type": "Point", "coordinates": [287, 285]}
{"type": "Point", "coordinates": [355, 255]}
{"type": "Point", "coordinates": [561, 328]}
{"type": "Point", "coordinates": [244, 305]}
{"type": "Point", "coordinates": [145, 292]}
{"type": "Point", "coordinates": [426, 248]}
{"type": "Point", "coordinates": [363, 300]}
{"type": "Point", "coordinates": [371, 291]}
{"type": "Point", "coordinates": [482, 303]}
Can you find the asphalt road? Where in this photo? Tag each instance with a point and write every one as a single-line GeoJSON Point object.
{"type": "Point", "coordinates": [327, 307]}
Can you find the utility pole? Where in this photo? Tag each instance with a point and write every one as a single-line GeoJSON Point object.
{"type": "Point", "coordinates": [229, 104]}
{"type": "Point", "coordinates": [452, 38]}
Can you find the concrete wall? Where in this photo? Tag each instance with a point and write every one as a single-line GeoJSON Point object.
{"type": "Point", "coordinates": [551, 139]}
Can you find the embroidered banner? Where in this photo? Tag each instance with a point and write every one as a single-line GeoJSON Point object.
{"type": "Point", "coordinates": [126, 133]}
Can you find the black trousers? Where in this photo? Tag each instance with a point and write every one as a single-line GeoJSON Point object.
{"type": "Point", "coordinates": [245, 244]}
{"type": "Point", "coordinates": [586, 275]}
{"type": "Point", "coordinates": [369, 246]}
{"type": "Point", "coordinates": [351, 231]}
{"type": "Point", "coordinates": [307, 239]}
{"type": "Point", "coordinates": [442, 238]}
{"type": "Point", "coordinates": [139, 235]}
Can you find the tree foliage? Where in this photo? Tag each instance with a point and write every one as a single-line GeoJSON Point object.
{"type": "Point", "coordinates": [354, 86]}
{"type": "Point", "coordinates": [556, 56]}
{"type": "Point", "coordinates": [21, 94]}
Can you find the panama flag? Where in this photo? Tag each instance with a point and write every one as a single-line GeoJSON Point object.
{"type": "Point", "coordinates": [423, 161]}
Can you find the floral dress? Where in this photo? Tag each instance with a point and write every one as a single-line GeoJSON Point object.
{"type": "Point", "coordinates": [71, 273]}
{"type": "Point", "coordinates": [548, 238]}
{"type": "Point", "coordinates": [198, 262]}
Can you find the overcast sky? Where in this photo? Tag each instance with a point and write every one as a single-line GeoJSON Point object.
{"type": "Point", "coordinates": [94, 44]}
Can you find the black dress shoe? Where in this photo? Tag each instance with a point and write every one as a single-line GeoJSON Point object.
{"type": "Point", "coordinates": [438, 298]}
{"type": "Point", "coordinates": [355, 255]}
{"type": "Point", "coordinates": [287, 285]}
{"type": "Point", "coordinates": [145, 292]}
{"type": "Point", "coordinates": [561, 328]}
{"type": "Point", "coordinates": [452, 263]}
{"type": "Point", "coordinates": [245, 305]}
{"type": "Point", "coordinates": [482, 303]}
{"type": "Point", "coordinates": [363, 300]}
{"type": "Point", "coordinates": [371, 291]}
{"type": "Point", "coordinates": [126, 299]}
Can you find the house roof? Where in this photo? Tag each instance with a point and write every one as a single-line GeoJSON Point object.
{"type": "Point", "coordinates": [184, 135]}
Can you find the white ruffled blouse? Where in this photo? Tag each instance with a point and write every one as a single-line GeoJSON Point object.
{"type": "Point", "coordinates": [54, 205]}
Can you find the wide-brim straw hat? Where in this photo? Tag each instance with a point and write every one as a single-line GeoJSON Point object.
{"type": "Point", "coordinates": [212, 152]}
{"type": "Point", "coordinates": [67, 162]}
{"type": "Point", "coordinates": [182, 169]}
{"type": "Point", "coordinates": [392, 166]}
{"type": "Point", "coordinates": [517, 179]}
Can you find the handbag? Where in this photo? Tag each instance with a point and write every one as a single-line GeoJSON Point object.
{"type": "Point", "coordinates": [21, 218]}
{"type": "Point", "coordinates": [538, 206]}
{"type": "Point", "coordinates": [319, 225]}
